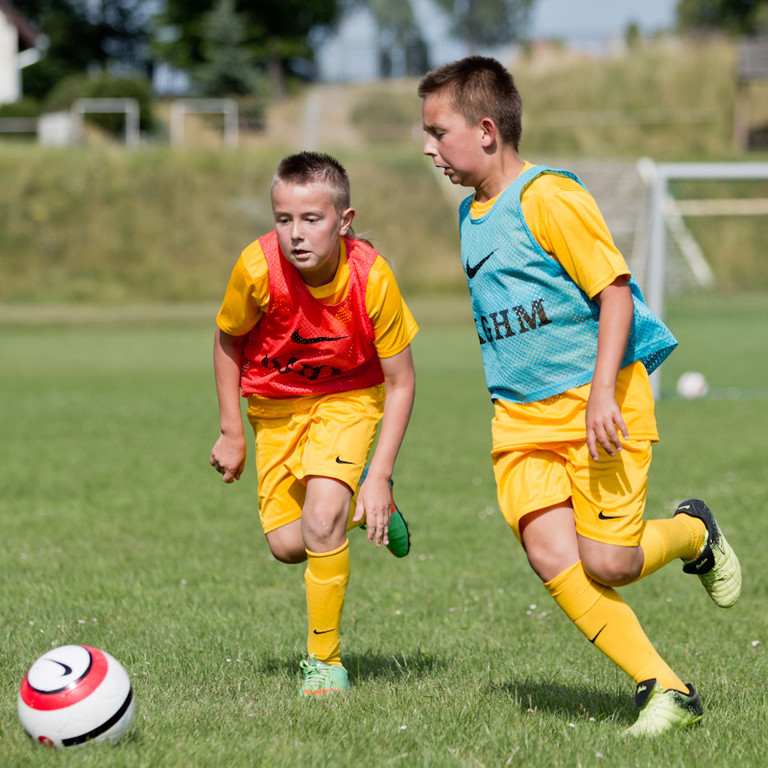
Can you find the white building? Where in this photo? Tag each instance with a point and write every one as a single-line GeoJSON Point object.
{"type": "Point", "coordinates": [17, 36]}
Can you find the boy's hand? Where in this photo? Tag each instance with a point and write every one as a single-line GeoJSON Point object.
{"type": "Point", "coordinates": [228, 456]}
{"type": "Point", "coordinates": [374, 501]}
{"type": "Point", "coordinates": [604, 422]}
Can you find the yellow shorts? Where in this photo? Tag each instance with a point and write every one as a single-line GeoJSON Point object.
{"type": "Point", "coordinates": [331, 437]}
{"type": "Point", "coordinates": [608, 495]}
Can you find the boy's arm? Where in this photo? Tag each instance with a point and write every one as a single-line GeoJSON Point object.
{"type": "Point", "coordinates": [375, 498]}
{"type": "Point", "coordinates": [603, 417]}
{"type": "Point", "coordinates": [228, 453]}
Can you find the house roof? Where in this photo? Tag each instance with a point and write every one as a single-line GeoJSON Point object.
{"type": "Point", "coordinates": [27, 33]}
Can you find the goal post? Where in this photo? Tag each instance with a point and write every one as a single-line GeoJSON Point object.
{"type": "Point", "coordinates": [129, 107]}
{"type": "Point", "coordinates": [226, 107]}
{"type": "Point", "coordinates": [663, 210]}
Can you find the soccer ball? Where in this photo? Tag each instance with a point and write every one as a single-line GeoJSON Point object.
{"type": "Point", "coordinates": [74, 694]}
{"type": "Point", "coordinates": [692, 385]}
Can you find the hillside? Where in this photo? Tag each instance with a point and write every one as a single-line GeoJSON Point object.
{"type": "Point", "coordinates": [102, 224]}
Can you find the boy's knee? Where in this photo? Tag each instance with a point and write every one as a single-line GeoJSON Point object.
{"type": "Point", "coordinates": [615, 569]}
{"type": "Point", "coordinates": [286, 544]}
{"type": "Point", "coordinates": [324, 525]}
{"type": "Point", "coordinates": [288, 555]}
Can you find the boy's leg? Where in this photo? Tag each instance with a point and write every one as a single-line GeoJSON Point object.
{"type": "Point", "coordinates": [340, 432]}
{"type": "Point", "coordinates": [596, 610]}
{"type": "Point", "coordinates": [551, 543]}
{"type": "Point", "coordinates": [617, 546]}
{"type": "Point", "coordinates": [693, 536]}
{"type": "Point", "coordinates": [323, 524]}
{"type": "Point", "coordinates": [680, 537]}
{"type": "Point", "coordinates": [326, 579]}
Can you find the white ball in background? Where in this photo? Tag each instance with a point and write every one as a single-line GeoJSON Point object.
{"type": "Point", "coordinates": [692, 385]}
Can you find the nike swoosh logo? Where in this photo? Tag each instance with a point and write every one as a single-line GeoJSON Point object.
{"type": "Point", "coordinates": [598, 634]}
{"type": "Point", "coordinates": [67, 669]}
{"type": "Point", "coordinates": [472, 271]}
{"type": "Point", "coordinates": [603, 516]}
{"type": "Point", "coordinates": [299, 339]}
{"type": "Point", "coordinates": [339, 460]}
{"type": "Point", "coordinates": [323, 631]}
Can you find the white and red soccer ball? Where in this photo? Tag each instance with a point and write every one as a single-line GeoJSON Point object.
{"type": "Point", "coordinates": [75, 694]}
{"type": "Point", "coordinates": [692, 385]}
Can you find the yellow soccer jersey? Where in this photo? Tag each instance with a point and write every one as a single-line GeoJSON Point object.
{"type": "Point", "coordinates": [566, 222]}
{"type": "Point", "coordinates": [247, 298]}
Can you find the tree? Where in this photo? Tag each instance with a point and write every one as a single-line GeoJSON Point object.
{"type": "Point", "coordinates": [275, 30]}
{"type": "Point", "coordinates": [488, 22]}
{"type": "Point", "coordinates": [398, 28]}
{"type": "Point", "coordinates": [228, 68]}
{"type": "Point", "coordinates": [740, 16]}
{"type": "Point", "coordinates": [84, 34]}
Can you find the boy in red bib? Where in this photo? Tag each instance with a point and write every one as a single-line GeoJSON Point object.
{"type": "Point", "coordinates": [314, 332]}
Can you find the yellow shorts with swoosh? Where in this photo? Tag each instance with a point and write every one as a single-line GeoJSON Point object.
{"type": "Point", "coordinates": [608, 495]}
{"type": "Point", "coordinates": [325, 435]}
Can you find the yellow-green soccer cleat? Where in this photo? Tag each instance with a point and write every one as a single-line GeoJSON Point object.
{"type": "Point", "coordinates": [664, 710]}
{"type": "Point", "coordinates": [717, 566]}
{"type": "Point", "coordinates": [321, 679]}
{"type": "Point", "coordinates": [399, 533]}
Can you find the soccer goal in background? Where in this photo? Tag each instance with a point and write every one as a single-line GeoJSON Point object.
{"type": "Point", "coordinates": [225, 107]}
{"type": "Point", "coordinates": [666, 217]}
{"type": "Point", "coordinates": [125, 106]}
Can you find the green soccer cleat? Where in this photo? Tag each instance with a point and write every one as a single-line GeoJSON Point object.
{"type": "Point", "coordinates": [321, 679]}
{"type": "Point", "coordinates": [399, 533]}
{"type": "Point", "coordinates": [717, 566]}
{"type": "Point", "coordinates": [664, 710]}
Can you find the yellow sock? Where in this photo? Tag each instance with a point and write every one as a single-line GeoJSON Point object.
{"type": "Point", "coordinates": [326, 579]}
{"type": "Point", "coordinates": [662, 541]}
{"type": "Point", "coordinates": [611, 626]}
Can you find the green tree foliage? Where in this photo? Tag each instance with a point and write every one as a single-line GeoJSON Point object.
{"type": "Point", "coordinates": [488, 22]}
{"type": "Point", "coordinates": [228, 67]}
{"type": "Point", "coordinates": [397, 25]}
{"type": "Point", "coordinates": [103, 86]}
{"type": "Point", "coordinates": [740, 16]}
{"type": "Point", "coordinates": [275, 30]}
{"type": "Point", "coordinates": [83, 35]}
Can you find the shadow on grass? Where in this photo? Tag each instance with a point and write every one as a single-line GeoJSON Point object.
{"type": "Point", "coordinates": [368, 666]}
{"type": "Point", "coordinates": [569, 700]}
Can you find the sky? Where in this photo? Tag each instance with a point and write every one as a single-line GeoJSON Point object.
{"type": "Point", "coordinates": [575, 18]}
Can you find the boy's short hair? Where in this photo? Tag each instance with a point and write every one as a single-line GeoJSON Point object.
{"type": "Point", "coordinates": [479, 86]}
{"type": "Point", "coordinates": [316, 167]}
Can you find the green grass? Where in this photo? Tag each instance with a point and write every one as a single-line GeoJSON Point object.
{"type": "Point", "coordinates": [109, 226]}
{"type": "Point", "coordinates": [115, 532]}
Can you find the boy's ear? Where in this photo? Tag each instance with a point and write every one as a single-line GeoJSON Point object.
{"type": "Point", "coordinates": [489, 132]}
{"type": "Point", "coordinates": [347, 216]}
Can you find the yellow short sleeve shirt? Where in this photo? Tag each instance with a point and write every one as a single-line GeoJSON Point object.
{"type": "Point", "coordinates": [247, 298]}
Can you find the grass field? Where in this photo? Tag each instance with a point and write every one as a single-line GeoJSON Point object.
{"type": "Point", "coordinates": [116, 533]}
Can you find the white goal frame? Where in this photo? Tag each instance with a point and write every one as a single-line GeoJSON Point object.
{"type": "Point", "coordinates": [664, 210]}
{"type": "Point", "coordinates": [129, 107]}
{"type": "Point", "coordinates": [227, 107]}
